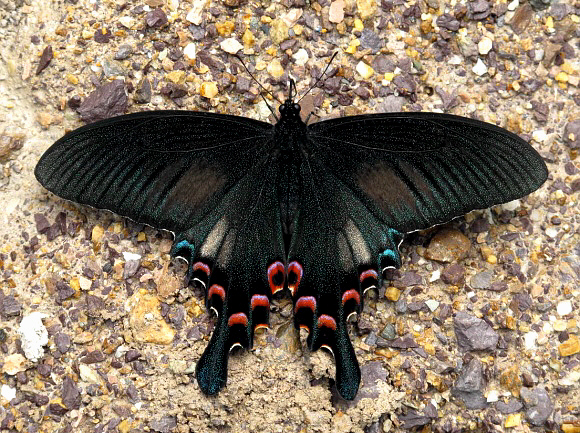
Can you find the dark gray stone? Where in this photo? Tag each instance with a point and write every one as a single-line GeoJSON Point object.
{"type": "Point", "coordinates": [473, 333]}
{"type": "Point", "coordinates": [538, 405]}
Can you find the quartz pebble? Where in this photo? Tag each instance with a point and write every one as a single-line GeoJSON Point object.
{"type": "Point", "coordinates": [336, 11]}
{"type": "Point", "coordinates": [564, 307]}
{"type": "Point", "coordinates": [231, 45]}
{"type": "Point", "coordinates": [484, 46]}
{"type": "Point", "coordinates": [364, 70]}
{"type": "Point", "coordinates": [34, 335]}
{"type": "Point", "coordinates": [189, 51]}
{"type": "Point", "coordinates": [479, 68]}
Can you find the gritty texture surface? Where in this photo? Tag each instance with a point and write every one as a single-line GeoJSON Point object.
{"type": "Point", "coordinates": [477, 331]}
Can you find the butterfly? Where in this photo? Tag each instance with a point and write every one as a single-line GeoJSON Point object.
{"type": "Point", "coordinates": [319, 209]}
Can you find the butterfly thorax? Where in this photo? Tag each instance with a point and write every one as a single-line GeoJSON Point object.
{"type": "Point", "coordinates": [290, 136]}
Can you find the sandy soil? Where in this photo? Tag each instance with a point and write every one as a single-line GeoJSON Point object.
{"type": "Point", "coordinates": [123, 338]}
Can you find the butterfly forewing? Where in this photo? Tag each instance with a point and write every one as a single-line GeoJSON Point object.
{"type": "Point", "coordinates": [415, 170]}
{"type": "Point", "coordinates": [162, 168]}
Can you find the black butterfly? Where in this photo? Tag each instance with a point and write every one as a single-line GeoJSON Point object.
{"type": "Point", "coordinates": [319, 209]}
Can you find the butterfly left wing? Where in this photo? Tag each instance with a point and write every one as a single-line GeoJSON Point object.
{"type": "Point", "coordinates": [164, 168]}
{"type": "Point", "coordinates": [210, 179]}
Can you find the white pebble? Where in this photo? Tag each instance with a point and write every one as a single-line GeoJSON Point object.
{"type": "Point", "coordinates": [492, 396]}
{"type": "Point", "coordinates": [479, 68]}
{"type": "Point", "coordinates": [484, 45]}
{"type": "Point", "coordinates": [301, 57]}
{"type": "Point", "coordinates": [454, 60]}
{"type": "Point", "coordinates": [435, 275]}
{"type": "Point", "coordinates": [551, 232]}
{"type": "Point", "coordinates": [34, 335]}
{"type": "Point", "coordinates": [8, 393]}
{"type": "Point", "coordinates": [564, 307]}
{"type": "Point", "coordinates": [432, 304]}
{"type": "Point", "coordinates": [189, 51]}
{"type": "Point", "coordinates": [131, 256]}
{"type": "Point", "coordinates": [364, 70]}
{"type": "Point", "coordinates": [127, 21]}
{"type": "Point", "coordinates": [231, 45]}
{"type": "Point", "coordinates": [194, 16]}
{"type": "Point", "coordinates": [89, 375]}
{"type": "Point", "coordinates": [530, 340]}
{"type": "Point", "coordinates": [511, 206]}
{"type": "Point", "coordinates": [512, 6]}
{"type": "Point", "coordinates": [539, 135]}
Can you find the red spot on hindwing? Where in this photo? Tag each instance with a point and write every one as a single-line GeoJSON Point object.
{"type": "Point", "coordinates": [259, 301]}
{"type": "Point", "coordinates": [305, 302]}
{"type": "Point", "coordinates": [276, 276]}
{"type": "Point", "coordinates": [238, 319]}
{"type": "Point", "coordinates": [218, 290]}
{"type": "Point", "coordinates": [350, 294]}
{"type": "Point", "coordinates": [369, 273]}
{"type": "Point", "coordinates": [295, 273]}
{"type": "Point", "coordinates": [326, 321]}
{"type": "Point", "coordinates": [200, 266]}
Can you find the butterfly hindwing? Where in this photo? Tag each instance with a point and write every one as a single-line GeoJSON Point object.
{"type": "Point", "coordinates": [245, 262]}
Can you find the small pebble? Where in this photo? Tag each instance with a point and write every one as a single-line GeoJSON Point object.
{"type": "Point", "coordinates": [34, 335]}
{"type": "Point", "coordinates": [432, 304]}
{"type": "Point", "coordinates": [194, 16]}
{"type": "Point", "coordinates": [364, 70]}
{"type": "Point", "coordinates": [208, 89]}
{"type": "Point", "coordinates": [7, 392]}
{"type": "Point", "coordinates": [231, 45]}
{"type": "Point", "coordinates": [479, 69]}
{"type": "Point", "coordinates": [275, 69]}
{"type": "Point", "coordinates": [564, 307]}
{"type": "Point", "coordinates": [336, 11]}
{"type": "Point", "coordinates": [484, 46]}
{"type": "Point", "coordinates": [189, 51]}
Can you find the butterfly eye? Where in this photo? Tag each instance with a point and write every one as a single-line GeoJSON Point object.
{"type": "Point", "coordinates": [282, 108]}
{"type": "Point", "coordinates": [297, 107]}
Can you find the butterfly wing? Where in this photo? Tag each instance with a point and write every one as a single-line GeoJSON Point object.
{"type": "Point", "coordinates": [210, 179]}
{"type": "Point", "coordinates": [366, 180]}
{"type": "Point", "coordinates": [162, 168]}
{"type": "Point", "coordinates": [415, 170]}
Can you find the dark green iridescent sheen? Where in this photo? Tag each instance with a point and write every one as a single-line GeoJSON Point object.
{"type": "Point", "coordinates": [335, 196]}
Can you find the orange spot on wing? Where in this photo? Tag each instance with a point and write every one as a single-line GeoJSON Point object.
{"type": "Point", "coordinates": [259, 301]}
{"type": "Point", "coordinates": [295, 273]}
{"type": "Point", "coordinates": [238, 319]}
{"type": "Point", "coordinates": [200, 266]}
{"type": "Point", "coordinates": [305, 302]}
{"type": "Point", "coordinates": [218, 290]}
{"type": "Point", "coordinates": [274, 270]}
{"type": "Point", "coordinates": [350, 294]}
{"type": "Point", "coordinates": [326, 321]}
{"type": "Point", "coordinates": [370, 273]}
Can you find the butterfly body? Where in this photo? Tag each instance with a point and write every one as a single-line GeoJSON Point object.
{"type": "Point", "coordinates": [319, 209]}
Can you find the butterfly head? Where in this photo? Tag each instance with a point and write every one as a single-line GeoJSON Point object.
{"type": "Point", "coordinates": [289, 109]}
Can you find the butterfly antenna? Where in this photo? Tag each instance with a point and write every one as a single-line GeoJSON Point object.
{"type": "Point", "coordinates": [259, 84]}
{"type": "Point", "coordinates": [320, 77]}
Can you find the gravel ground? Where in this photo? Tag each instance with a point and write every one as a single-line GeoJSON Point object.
{"type": "Point", "coordinates": [477, 331]}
